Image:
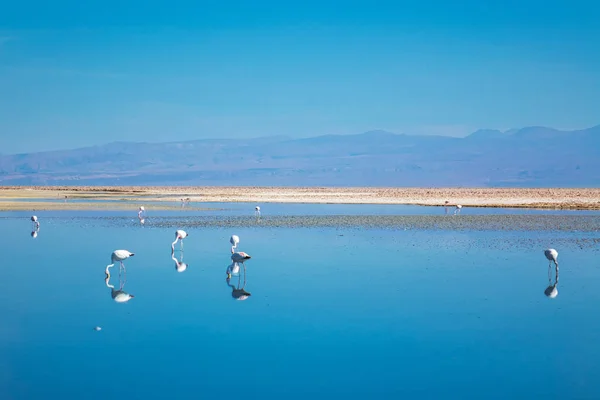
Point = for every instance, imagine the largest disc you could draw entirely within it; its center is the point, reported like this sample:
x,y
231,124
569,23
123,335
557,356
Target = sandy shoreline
x,y
53,197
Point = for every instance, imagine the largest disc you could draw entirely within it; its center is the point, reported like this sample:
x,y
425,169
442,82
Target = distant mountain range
x,y
528,157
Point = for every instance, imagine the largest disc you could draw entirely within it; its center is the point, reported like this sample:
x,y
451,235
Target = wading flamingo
x,y
118,255
179,235
551,255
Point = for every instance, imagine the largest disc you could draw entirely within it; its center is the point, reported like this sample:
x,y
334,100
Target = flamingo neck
x,y
109,266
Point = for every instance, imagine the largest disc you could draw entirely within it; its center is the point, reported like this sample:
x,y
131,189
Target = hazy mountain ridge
x,y
532,156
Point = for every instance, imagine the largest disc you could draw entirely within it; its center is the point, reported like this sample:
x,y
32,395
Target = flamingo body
x,y
551,255
120,255
551,292
120,296
240,256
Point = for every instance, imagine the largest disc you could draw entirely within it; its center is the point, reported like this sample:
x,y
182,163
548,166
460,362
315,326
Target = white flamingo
x,y
239,256
457,210
257,211
35,221
234,240
118,255
551,255
179,235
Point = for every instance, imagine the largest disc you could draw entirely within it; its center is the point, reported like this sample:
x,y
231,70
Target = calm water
x,y
359,313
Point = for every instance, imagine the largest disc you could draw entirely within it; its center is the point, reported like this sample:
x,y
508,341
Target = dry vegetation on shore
x,y
10,197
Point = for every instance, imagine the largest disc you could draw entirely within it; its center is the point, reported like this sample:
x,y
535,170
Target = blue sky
x,y
76,73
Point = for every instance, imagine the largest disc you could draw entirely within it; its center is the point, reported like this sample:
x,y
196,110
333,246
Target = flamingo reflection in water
x,y
180,266
119,296
237,292
141,217
34,233
552,289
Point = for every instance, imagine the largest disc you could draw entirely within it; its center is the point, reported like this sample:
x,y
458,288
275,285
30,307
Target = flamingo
x,y
35,221
180,266
118,255
118,295
458,208
551,255
257,211
234,240
179,235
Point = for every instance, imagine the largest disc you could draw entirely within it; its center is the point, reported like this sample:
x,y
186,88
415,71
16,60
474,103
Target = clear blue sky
x,y
76,73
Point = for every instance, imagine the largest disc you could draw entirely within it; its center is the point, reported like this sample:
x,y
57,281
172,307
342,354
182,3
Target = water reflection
x,y
141,217
233,269
119,296
552,289
35,232
237,292
180,266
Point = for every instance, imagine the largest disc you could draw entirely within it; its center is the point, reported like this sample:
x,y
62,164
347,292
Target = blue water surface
x,y
333,313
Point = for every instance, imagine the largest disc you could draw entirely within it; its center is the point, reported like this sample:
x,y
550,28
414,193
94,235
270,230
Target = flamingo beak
x,y
132,296
131,255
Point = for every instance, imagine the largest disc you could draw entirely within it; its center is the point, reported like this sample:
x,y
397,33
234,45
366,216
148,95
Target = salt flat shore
x,y
120,197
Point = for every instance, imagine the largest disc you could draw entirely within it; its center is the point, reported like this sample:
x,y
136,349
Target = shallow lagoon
x,y
334,311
